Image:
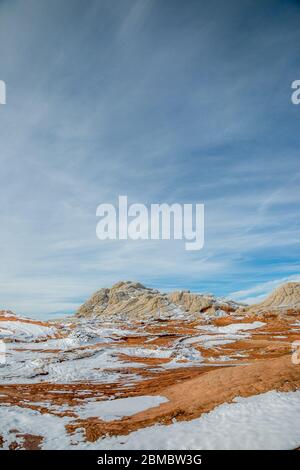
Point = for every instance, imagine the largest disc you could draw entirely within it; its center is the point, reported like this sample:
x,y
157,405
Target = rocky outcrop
x,y
134,301
190,302
130,299
283,300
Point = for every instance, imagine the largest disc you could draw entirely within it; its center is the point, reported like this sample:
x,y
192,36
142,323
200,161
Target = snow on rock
x,y
116,409
266,421
7,314
160,353
63,367
233,327
219,335
25,331
28,421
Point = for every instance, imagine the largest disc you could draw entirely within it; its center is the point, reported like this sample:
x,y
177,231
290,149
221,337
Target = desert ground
x,y
135,368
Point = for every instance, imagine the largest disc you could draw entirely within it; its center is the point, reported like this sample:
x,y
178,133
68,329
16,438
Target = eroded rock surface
x,y
136,301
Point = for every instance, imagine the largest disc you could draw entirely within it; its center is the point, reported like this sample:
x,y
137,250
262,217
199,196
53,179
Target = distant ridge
x,y
134,300
282,299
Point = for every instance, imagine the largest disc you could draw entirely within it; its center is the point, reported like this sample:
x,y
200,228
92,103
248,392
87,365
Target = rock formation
x,y
133,300
283,300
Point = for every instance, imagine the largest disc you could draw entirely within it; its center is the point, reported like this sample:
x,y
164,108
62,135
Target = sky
x,y
162,101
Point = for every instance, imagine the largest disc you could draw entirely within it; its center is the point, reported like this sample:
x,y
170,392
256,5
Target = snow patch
x,y
111,410
266,421
22,331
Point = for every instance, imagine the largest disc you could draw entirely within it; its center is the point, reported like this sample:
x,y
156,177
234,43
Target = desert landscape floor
x,y
226,382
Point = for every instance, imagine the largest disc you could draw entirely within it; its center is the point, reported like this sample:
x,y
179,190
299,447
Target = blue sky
x,y
163,101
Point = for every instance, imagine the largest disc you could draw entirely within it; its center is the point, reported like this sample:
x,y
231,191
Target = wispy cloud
x,y
258,292
162,101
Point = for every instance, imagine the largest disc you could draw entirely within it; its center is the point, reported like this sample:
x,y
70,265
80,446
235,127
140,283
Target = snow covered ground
x,y
67,359
90,351
111,410
24,331
266,421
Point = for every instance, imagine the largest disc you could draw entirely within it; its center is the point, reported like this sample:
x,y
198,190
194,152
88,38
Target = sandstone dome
x,y
283,299
135,301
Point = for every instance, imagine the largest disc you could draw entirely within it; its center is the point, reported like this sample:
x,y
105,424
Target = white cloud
x,y
129,99
259,291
